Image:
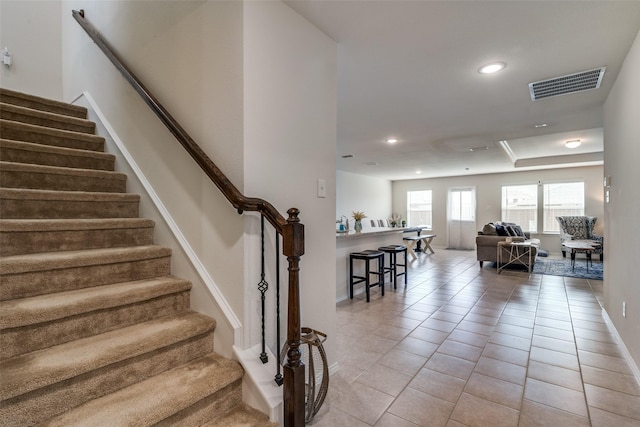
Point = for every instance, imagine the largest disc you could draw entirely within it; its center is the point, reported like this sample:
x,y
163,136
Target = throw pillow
x,y
510,231
500,230
518,230
489,229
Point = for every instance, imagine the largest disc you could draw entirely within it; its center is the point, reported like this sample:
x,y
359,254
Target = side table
x,y
516,253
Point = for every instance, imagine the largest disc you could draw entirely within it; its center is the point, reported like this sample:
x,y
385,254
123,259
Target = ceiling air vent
x,y
571,83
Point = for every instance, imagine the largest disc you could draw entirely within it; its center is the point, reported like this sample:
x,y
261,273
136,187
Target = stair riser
x,y
19,243
16,341
42,104
52,159
57,398
206,409
50,209
48,281
21,132
54,123
60,182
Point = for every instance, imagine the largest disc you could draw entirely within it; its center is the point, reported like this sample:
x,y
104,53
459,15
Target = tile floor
x,y
464,346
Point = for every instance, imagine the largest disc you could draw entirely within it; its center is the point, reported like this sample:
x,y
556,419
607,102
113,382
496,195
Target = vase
x,y
358,226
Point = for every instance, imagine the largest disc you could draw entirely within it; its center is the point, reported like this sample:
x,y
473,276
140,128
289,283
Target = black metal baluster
x,y
278,378
263,286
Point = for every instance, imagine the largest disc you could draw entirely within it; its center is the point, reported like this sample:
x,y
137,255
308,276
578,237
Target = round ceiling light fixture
x,y
574,143
392,140
494,67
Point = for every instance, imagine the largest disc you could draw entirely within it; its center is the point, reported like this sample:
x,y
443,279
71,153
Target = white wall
x,y
362,193
31,31
621,160
488,196
290,143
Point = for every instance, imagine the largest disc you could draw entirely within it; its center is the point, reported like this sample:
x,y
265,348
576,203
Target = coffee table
x,y
586,246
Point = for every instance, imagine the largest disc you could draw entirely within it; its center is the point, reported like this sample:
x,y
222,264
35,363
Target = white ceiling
x,y
408,69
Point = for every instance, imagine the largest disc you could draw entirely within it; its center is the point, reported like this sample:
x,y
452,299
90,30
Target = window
x,y
419,207
462,204
520,206
562,198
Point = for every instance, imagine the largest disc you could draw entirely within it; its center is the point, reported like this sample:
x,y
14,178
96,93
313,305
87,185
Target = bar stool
x,y
367,256
393,251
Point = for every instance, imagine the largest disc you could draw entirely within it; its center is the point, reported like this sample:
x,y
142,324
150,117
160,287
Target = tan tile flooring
x,y
464,346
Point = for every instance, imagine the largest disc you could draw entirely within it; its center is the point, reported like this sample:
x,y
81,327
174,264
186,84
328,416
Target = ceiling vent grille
x,y
571,83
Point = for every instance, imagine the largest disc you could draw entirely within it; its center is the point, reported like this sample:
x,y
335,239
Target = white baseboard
x,y
625,351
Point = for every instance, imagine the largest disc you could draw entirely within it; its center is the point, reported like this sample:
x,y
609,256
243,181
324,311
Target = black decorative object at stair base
x,y
317,379
263,286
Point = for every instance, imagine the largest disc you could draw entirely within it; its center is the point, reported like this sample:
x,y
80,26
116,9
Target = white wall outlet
x,y
322,187
624,309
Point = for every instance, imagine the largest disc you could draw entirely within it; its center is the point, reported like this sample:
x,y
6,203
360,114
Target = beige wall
x,y
621,162
362,193
290,143
31,31
488,196
189,54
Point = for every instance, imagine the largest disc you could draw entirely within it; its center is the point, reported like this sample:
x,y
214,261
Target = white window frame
x,y
572,207
532,224
427,217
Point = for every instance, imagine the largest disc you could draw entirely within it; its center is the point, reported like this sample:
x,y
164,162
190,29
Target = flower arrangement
x,y
395,219
358,216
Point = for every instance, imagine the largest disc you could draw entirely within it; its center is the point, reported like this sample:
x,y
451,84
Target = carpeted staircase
x,y
94,329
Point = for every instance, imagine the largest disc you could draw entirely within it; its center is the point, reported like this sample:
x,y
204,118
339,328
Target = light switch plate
x,y
322,188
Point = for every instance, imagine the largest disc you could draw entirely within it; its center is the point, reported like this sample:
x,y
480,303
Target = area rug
x,y
562,267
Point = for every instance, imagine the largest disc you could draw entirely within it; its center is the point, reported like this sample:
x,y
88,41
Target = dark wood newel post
x,y
293,248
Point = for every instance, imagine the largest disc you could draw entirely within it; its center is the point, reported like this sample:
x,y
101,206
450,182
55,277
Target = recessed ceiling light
x,y
483,148
492,68
541,125
418,172
347,156
392,140
573,143
371,164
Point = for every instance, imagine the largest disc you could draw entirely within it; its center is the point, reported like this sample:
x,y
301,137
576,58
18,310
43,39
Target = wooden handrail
x,y
291,230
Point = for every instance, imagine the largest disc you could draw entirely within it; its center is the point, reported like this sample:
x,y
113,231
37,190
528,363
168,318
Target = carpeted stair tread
x,y
241,416
17,225
94,329
41,204
65,196
28,236
59,260
49,307
44,104
53,137
42,118
38,177
151,401
31,153
41,368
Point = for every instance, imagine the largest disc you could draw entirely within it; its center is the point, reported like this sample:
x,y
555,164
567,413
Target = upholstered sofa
x,y
487,242
579,228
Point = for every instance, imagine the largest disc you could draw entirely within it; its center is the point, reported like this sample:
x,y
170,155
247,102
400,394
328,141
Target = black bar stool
x,y
367,256
393,251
